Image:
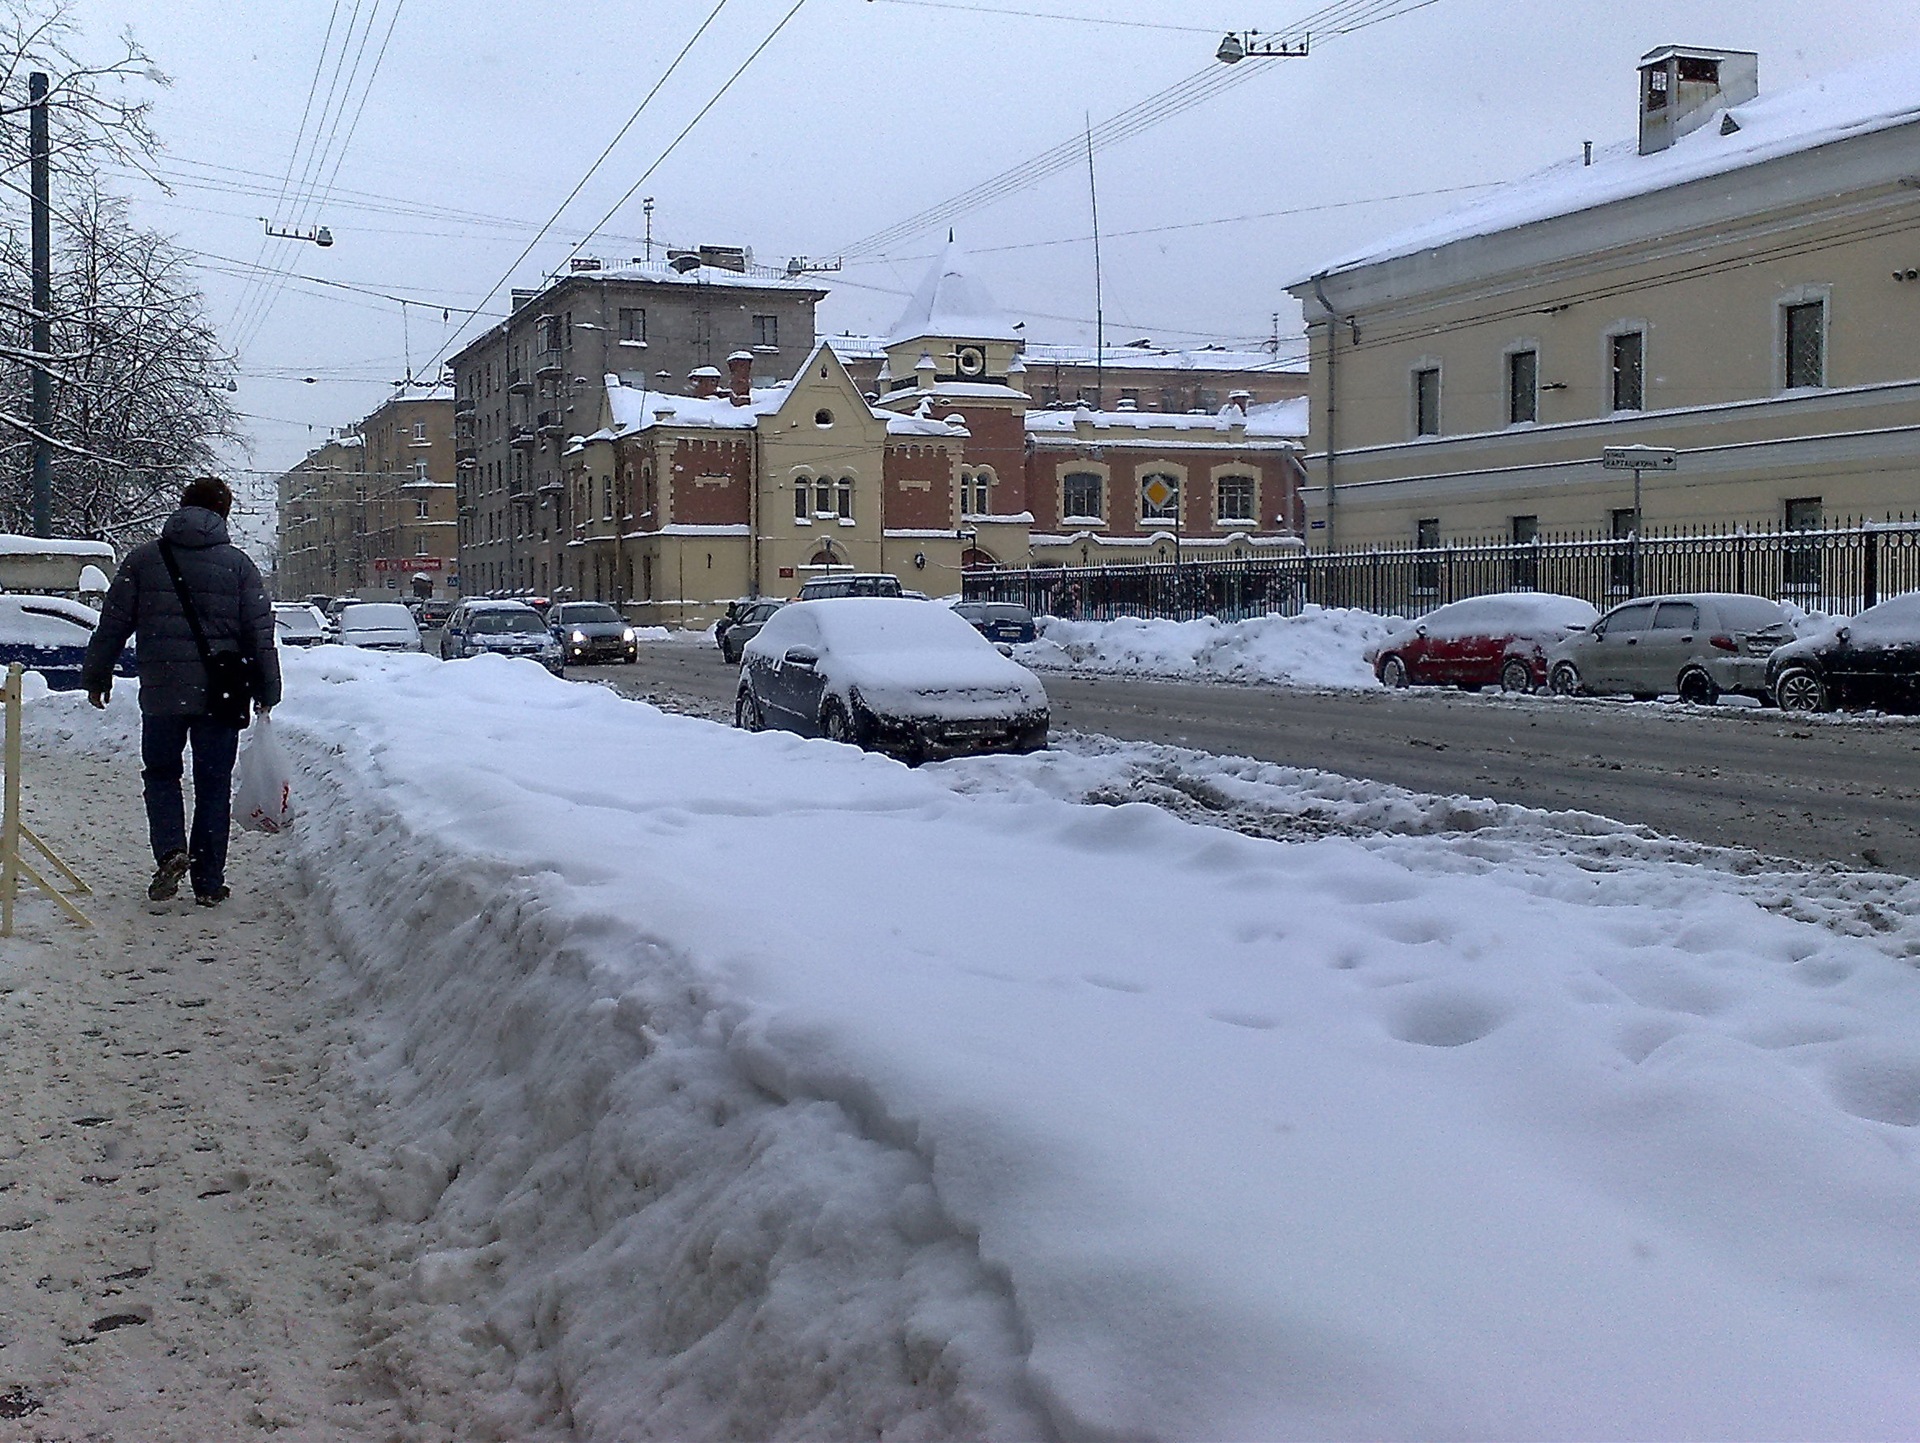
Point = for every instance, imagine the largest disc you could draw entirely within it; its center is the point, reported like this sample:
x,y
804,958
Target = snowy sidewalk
x,y
184,1252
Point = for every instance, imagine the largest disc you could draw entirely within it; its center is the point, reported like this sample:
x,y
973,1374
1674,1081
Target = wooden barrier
x,y
13,830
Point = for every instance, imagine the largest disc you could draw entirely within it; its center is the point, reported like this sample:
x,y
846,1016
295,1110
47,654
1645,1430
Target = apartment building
x,y
1740,283
535,380
322,535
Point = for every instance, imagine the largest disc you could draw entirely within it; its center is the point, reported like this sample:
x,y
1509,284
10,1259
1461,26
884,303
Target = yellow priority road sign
x,y
1158,492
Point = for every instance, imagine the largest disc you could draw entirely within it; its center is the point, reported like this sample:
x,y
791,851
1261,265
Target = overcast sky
x,y
858,115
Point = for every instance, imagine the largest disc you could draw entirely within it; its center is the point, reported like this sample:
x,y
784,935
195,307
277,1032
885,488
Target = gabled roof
x,y
952,302
1877,95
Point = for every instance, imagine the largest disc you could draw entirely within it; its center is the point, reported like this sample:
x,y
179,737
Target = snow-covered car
x,y
49,634
1500,640
1696,646
742,624
503,628
1872,660
889,675
591,631
297,624
379,626
1006,621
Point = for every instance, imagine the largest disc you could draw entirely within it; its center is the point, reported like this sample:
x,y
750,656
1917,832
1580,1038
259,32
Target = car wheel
x,y
1564,679
1516,676
746,712
1801,690
837,726
1698,689
1393,672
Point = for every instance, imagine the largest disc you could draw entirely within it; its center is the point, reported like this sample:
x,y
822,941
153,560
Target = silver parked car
x,y
500,628
1696,646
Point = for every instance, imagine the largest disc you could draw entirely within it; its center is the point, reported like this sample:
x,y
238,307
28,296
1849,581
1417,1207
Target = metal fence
x,y
1841,568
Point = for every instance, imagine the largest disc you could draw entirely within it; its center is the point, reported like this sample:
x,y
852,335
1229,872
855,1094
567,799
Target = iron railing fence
x,y
1840,568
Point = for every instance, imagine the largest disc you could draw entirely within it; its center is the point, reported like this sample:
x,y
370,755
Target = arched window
x,y
976,496
802,498
823,497
973,557
845,498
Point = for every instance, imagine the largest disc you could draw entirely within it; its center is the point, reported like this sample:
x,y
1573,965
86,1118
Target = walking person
x,y
203,630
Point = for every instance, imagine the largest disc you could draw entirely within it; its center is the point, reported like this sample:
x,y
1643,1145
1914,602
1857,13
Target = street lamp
x,y
1249,45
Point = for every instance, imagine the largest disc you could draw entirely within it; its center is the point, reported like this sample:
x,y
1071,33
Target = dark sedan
x,y
1004,621
590,632
742,624
1871,661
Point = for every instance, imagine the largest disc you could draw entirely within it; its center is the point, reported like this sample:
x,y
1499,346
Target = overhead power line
x,y
1056,15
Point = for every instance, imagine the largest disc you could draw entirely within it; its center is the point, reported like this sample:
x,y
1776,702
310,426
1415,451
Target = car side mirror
x,y
1420,629
1003,649
1845,634
803,657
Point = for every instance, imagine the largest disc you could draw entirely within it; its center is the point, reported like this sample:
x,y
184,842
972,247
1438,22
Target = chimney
x,y
740,378
704,383
1682,88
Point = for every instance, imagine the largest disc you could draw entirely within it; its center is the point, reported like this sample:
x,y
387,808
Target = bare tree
x,y
140,378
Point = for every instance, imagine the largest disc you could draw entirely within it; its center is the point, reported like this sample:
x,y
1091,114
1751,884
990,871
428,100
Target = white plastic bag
x,y
263,795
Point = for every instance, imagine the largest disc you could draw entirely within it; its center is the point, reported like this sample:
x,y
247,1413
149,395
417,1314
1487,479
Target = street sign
x,y
1158,493
1639,458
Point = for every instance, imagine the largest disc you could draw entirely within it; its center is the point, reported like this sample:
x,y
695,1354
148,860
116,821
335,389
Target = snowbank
x,y
762,1088
1320,647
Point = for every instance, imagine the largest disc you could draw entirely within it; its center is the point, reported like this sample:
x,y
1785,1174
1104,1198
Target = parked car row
x,y
1699,647
49,634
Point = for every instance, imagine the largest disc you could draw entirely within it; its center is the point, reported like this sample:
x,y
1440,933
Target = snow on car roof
x,y
1898,615
1508,610
887,623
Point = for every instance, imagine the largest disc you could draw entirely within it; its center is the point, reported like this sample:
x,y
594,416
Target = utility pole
x,y
41,152
646,204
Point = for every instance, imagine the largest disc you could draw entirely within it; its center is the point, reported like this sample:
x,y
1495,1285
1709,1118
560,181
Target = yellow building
x,y
1742,285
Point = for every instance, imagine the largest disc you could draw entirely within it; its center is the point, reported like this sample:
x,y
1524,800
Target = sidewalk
x,y
183,1252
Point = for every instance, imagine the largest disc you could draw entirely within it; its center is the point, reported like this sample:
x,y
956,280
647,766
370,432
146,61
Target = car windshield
x,y
376,615
589,611
296,618
500,622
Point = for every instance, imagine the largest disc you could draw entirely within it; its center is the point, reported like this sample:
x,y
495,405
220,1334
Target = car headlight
x,y
579,638
627,635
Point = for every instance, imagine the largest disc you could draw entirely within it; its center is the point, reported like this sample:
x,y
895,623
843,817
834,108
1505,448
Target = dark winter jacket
x,y
227,596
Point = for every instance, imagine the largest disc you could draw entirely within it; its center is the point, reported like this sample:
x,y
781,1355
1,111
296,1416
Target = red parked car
x,y
1499,640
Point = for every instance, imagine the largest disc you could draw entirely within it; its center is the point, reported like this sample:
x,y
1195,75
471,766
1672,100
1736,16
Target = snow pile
x,y
1322,646
768,1088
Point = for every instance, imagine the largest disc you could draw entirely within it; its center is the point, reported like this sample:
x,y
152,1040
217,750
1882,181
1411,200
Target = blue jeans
x,y
163,743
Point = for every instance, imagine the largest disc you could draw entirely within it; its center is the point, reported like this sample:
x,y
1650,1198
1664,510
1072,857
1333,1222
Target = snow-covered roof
x,y
659,272
1157,358
1873,96
1279,421
53,546
952,301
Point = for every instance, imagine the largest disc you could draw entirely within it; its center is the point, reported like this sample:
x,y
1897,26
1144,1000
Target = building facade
x,y
371,513
679,503
531,383
1741,285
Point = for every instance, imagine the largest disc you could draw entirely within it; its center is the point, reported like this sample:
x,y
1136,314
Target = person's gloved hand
x,y
99,698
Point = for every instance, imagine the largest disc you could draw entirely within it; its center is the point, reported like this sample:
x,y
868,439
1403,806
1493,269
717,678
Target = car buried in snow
x,y
379,626
295,623
1500,640
1695,646
1872,660
889,675
49,634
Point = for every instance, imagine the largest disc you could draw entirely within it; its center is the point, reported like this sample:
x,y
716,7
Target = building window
x,y
823,497
1800,560
606,498
1805,344
420,548
1130,397
975,494
802,492
421,509
1523,387
1209,400
1081,498
844,498
766,331
1524,531
633,323
1090,396
1426,569
1049,396
1426,401
1171,399
419,430
1236,498
1159,497
1629,371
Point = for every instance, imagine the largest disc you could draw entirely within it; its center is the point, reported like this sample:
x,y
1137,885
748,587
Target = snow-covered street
x,y
698,1084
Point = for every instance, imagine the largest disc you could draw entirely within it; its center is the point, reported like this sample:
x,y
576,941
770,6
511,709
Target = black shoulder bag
x,y
229,673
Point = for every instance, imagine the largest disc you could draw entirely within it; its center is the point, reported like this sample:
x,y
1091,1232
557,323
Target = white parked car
x,y
890,675
379,626
297,624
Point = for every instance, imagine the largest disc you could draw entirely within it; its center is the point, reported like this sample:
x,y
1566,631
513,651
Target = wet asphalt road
x,y
1813,790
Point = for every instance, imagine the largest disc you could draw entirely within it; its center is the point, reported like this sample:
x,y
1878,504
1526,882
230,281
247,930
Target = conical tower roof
x,y
952,303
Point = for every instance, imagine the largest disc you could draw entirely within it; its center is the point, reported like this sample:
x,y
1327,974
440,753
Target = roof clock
x,y
970,362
